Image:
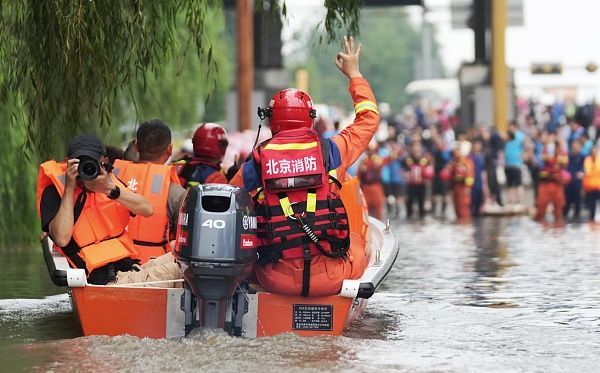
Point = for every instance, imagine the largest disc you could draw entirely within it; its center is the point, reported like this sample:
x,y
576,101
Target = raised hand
x,y
347,61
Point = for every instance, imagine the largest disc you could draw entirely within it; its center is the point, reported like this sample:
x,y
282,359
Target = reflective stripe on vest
x,y
151,181
100,229
366,105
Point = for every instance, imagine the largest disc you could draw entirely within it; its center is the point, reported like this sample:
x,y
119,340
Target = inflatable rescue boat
x,y
216,261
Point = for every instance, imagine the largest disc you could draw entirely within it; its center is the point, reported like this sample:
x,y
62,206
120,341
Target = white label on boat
x,y
312,317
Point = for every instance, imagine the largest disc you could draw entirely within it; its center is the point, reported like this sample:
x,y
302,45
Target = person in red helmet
x,y
210,143
294,178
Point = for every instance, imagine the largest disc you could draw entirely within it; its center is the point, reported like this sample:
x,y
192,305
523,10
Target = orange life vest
x,y
295,181
150,235
100,228
591,173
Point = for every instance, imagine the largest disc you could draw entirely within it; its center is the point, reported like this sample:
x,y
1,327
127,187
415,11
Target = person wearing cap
x,y
209,144
86,214
295,156
158,182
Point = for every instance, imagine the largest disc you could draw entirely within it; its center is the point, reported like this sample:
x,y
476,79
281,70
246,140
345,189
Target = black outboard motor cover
x,y
216,239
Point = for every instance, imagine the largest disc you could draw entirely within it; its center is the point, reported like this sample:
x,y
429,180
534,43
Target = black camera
x,y
88,168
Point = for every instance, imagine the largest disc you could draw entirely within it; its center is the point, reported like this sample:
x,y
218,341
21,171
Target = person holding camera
x,y
85,210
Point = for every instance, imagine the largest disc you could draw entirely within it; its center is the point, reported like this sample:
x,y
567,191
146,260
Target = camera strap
x,y
79,203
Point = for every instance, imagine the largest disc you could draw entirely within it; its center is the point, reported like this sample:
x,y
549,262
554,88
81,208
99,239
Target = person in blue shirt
x,y
513,162
397,182
573,189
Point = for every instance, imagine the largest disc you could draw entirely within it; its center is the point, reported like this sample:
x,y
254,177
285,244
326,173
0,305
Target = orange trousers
x,y
375,197
462,201
550,192
326,274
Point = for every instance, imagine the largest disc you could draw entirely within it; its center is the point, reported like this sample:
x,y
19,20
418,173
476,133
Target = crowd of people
x,y
424,162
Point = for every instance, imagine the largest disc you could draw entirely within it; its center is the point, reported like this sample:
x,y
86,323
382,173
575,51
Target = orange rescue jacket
x,y
100,229
591,173
150,235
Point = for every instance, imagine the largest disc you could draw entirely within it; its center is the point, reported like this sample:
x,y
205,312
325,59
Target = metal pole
x,y
245,68
499,70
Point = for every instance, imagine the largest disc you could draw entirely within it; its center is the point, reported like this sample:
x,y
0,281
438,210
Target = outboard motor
x,y
216,248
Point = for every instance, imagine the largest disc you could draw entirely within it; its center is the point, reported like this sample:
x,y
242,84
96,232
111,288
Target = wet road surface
x,y
496,295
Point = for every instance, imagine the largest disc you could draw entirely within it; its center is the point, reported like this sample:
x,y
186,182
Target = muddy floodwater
x,y
496,295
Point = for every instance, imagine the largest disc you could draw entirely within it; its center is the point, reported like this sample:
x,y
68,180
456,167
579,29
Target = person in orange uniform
x,y
552,177
210,143
158,182
462,174
292,263
85,211
369,173
591,180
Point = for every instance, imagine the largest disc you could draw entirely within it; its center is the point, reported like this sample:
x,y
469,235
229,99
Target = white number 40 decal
x,y
214,223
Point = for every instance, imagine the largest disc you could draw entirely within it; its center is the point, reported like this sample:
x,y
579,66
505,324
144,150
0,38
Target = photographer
x,y
85,209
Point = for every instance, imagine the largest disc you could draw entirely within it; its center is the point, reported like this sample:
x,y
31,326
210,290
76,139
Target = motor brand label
x,y
182,238
248,241
312,317
249,222
183,219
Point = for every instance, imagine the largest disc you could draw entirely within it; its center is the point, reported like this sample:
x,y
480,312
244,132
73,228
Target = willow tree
x,y
67,60
64,64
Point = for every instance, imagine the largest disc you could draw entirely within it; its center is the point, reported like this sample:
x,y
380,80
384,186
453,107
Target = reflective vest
x,y
299,214
150,235
417,170
591,173
463,171
100,228
552,166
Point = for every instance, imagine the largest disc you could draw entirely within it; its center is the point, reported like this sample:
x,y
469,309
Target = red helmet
x,y
210,141
290,109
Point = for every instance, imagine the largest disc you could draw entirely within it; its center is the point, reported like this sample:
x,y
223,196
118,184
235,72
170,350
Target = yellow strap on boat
x,y
366,105
291,146
286,207
311,202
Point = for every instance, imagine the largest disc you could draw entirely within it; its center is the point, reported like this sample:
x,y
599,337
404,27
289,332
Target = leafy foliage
x,y
391,53
68,60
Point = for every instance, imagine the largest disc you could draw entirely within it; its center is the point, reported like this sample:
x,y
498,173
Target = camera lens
x,y
88,168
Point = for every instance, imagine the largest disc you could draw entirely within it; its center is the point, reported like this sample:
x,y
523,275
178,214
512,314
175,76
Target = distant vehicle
x,y
434,90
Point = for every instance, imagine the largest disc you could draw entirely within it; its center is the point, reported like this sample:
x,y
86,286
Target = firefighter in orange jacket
x,y
157,182
369,173
85,210
210,143
297,173
553,176
462,175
